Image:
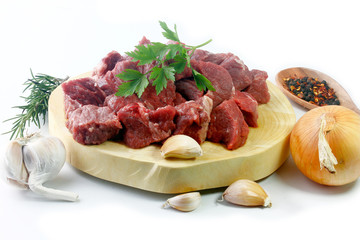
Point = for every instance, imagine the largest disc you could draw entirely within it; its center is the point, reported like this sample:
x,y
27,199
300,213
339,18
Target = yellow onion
x,y
325,145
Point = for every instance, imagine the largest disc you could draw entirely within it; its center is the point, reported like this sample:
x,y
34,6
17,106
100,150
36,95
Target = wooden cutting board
x,y
267,147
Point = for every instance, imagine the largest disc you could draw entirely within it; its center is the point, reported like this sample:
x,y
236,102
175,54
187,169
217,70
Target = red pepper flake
x,y
312,90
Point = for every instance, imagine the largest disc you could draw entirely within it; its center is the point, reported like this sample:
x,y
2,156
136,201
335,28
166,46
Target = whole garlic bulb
x,y
34,160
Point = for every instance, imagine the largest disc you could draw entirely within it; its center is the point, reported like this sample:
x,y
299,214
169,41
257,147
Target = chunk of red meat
x,y
85,91
258,88
192,118
227,125
70,105
144,41
238,71
220,79
248,106
144,126
187,73
154,101
80,92
206,56
115,103
188,89
106,64
110,82
179,99
91,124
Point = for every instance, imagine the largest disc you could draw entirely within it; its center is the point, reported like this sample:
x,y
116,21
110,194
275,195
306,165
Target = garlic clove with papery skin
x,y
184,202
42,158
181,146
16,171
245,192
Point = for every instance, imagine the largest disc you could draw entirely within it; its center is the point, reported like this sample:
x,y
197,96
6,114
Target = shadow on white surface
x,y
292,176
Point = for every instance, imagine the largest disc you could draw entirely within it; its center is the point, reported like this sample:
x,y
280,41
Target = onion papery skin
x,y
343,139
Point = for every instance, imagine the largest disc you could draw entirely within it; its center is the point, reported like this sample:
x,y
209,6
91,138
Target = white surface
x,y
68,38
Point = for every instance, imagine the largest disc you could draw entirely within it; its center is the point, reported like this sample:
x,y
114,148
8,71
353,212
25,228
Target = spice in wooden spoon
x,y
312,90
300,73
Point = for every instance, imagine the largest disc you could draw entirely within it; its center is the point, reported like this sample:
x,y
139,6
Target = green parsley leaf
x,y
174,49
161,76
149,53
169,72
171,35
201,81
135,82
179,64
129,74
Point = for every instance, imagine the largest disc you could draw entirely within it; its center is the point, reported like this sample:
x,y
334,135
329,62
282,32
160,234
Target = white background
x,y
69,37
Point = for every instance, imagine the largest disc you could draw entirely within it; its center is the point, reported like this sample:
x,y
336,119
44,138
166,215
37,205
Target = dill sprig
x,y
40,87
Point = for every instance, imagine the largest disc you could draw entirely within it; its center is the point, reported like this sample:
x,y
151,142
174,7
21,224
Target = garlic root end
x,y
267,202
54,193
221,199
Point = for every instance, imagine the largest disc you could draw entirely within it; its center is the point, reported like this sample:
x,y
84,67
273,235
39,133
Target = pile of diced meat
x,y
94,114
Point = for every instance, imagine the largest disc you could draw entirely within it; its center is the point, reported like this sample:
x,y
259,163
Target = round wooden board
x,y
266,148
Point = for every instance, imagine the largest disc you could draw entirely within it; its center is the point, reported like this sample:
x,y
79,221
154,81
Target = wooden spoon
x,y
300,72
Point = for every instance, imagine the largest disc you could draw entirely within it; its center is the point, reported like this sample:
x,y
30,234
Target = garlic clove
x,y
245,192
14,165
184,202
44,156
181,146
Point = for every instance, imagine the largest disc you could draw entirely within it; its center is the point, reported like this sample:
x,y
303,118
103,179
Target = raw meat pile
x,y
94,114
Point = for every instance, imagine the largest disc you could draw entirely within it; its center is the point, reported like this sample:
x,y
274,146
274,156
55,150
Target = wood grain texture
x,y
300,72
267,147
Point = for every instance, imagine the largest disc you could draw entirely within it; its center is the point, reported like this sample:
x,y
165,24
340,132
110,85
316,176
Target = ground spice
x,y
312,90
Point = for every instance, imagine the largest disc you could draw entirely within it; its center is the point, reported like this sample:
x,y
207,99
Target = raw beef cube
x,y
85,91
144,41
106,64
227,125
248,106
115,103
179,99
238,71
188,89
70,105
258,88
206,56
80,92
110,82
93,125
153,101
220,79
187,73
144,126
192,118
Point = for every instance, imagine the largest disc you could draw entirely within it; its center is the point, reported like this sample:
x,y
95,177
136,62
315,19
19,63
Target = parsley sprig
x,y
160,54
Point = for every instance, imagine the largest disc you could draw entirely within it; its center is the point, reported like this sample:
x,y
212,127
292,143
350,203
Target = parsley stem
x,y
199,46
